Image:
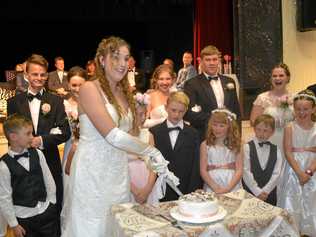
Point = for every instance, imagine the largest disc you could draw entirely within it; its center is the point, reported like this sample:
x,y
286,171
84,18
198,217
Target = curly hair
x,y
161,68
232,140
110,46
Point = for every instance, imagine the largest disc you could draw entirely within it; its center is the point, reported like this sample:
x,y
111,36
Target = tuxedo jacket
x,y
56,117
184,158
54,81
201,94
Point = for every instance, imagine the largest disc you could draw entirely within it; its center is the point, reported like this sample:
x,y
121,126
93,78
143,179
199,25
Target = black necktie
x,y
215,78
264,143
30,96
174,128
25,154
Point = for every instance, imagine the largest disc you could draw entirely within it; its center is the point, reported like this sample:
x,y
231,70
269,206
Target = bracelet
x,y
309,172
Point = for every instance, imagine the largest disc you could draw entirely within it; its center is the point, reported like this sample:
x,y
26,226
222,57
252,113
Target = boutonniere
x,y
65,74
196,108
230,86
45,109
136,73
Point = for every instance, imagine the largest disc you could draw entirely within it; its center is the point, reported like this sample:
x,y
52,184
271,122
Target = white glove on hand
x,y
127,142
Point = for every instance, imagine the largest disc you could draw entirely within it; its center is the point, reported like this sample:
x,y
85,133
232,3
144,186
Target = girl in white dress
x,y
99,171
299,191
161,82
142,178
221,162
76,77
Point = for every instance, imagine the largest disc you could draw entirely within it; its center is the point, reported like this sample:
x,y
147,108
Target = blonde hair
x,y
232,140
14,123
266,119
180,97
161,68
210,50
309,96
110,46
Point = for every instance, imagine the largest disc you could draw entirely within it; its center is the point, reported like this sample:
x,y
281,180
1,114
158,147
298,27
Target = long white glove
x,y
129,143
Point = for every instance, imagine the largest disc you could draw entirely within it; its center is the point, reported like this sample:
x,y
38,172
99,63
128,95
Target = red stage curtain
x,y
213,24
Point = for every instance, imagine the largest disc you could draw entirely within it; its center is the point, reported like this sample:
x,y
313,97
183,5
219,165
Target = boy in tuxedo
x,y
27,188
263,161
47,112
179,144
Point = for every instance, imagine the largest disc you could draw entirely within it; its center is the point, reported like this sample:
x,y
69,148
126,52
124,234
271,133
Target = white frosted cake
x,y
198,205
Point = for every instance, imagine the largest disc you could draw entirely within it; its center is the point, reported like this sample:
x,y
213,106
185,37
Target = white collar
x,y
179,124
12,153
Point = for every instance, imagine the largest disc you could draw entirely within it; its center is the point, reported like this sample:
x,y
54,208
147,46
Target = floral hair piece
x,y
142,99
297,96
231,115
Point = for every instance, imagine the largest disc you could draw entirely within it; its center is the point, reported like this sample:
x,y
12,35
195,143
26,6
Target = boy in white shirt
x,y
27,188
262,161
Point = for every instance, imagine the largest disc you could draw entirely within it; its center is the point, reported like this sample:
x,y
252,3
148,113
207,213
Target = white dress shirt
x,y
263,157
174,133
60,75
131,77
218,90
35,105
10,211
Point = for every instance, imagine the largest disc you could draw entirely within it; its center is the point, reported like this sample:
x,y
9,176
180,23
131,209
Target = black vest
x,y
261,176
28,187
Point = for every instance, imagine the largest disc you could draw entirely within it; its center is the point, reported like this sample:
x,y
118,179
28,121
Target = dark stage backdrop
x,y
72,29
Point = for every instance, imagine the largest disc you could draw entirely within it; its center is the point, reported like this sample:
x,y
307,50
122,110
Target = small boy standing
x,y
27,188
262,161
179,144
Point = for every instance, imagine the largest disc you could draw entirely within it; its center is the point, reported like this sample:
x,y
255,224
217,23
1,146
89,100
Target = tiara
x,y
230,114
142,99
305,95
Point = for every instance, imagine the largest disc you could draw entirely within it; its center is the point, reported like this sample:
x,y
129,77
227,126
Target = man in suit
x,y
48,115
187,72
135,76
179,144
209,90
57,80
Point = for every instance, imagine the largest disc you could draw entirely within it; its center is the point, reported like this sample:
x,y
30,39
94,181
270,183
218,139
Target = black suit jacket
x,y
54,81
201,93
184,158
55,118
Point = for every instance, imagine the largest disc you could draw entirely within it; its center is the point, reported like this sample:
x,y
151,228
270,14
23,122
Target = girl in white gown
x,y
76,77
299,190
221,162
162,82
99,172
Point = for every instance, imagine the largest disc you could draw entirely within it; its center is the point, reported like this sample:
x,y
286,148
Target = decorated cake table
x,y
238,214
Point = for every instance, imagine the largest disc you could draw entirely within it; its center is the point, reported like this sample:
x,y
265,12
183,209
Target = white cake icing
x,y
197,205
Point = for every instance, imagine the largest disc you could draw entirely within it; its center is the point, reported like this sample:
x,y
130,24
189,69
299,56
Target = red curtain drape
x,y
213,24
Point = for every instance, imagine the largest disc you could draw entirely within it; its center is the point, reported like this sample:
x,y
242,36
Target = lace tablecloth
x,y
246,216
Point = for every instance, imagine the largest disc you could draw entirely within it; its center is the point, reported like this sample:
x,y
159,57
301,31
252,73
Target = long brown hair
x,y
161,68
232,140
110,46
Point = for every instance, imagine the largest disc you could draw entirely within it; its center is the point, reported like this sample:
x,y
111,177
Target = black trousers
x,y
42,225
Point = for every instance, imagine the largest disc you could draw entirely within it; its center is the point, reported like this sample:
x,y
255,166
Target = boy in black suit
x,y
179,144
47,112
27,188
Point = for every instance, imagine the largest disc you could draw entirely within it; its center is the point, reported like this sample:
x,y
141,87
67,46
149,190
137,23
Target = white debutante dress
x,y
156,116
98,179
299,200
72,112
220,155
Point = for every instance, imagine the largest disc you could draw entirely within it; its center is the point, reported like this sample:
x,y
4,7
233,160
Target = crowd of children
x,y
221,162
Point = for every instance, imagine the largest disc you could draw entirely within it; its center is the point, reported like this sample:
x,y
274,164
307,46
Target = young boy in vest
x,y
179,144
27,188
262,162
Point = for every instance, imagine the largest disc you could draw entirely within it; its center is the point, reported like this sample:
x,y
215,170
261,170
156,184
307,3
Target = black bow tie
x,y
174,128
264,143
215,78
25,154
30,96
